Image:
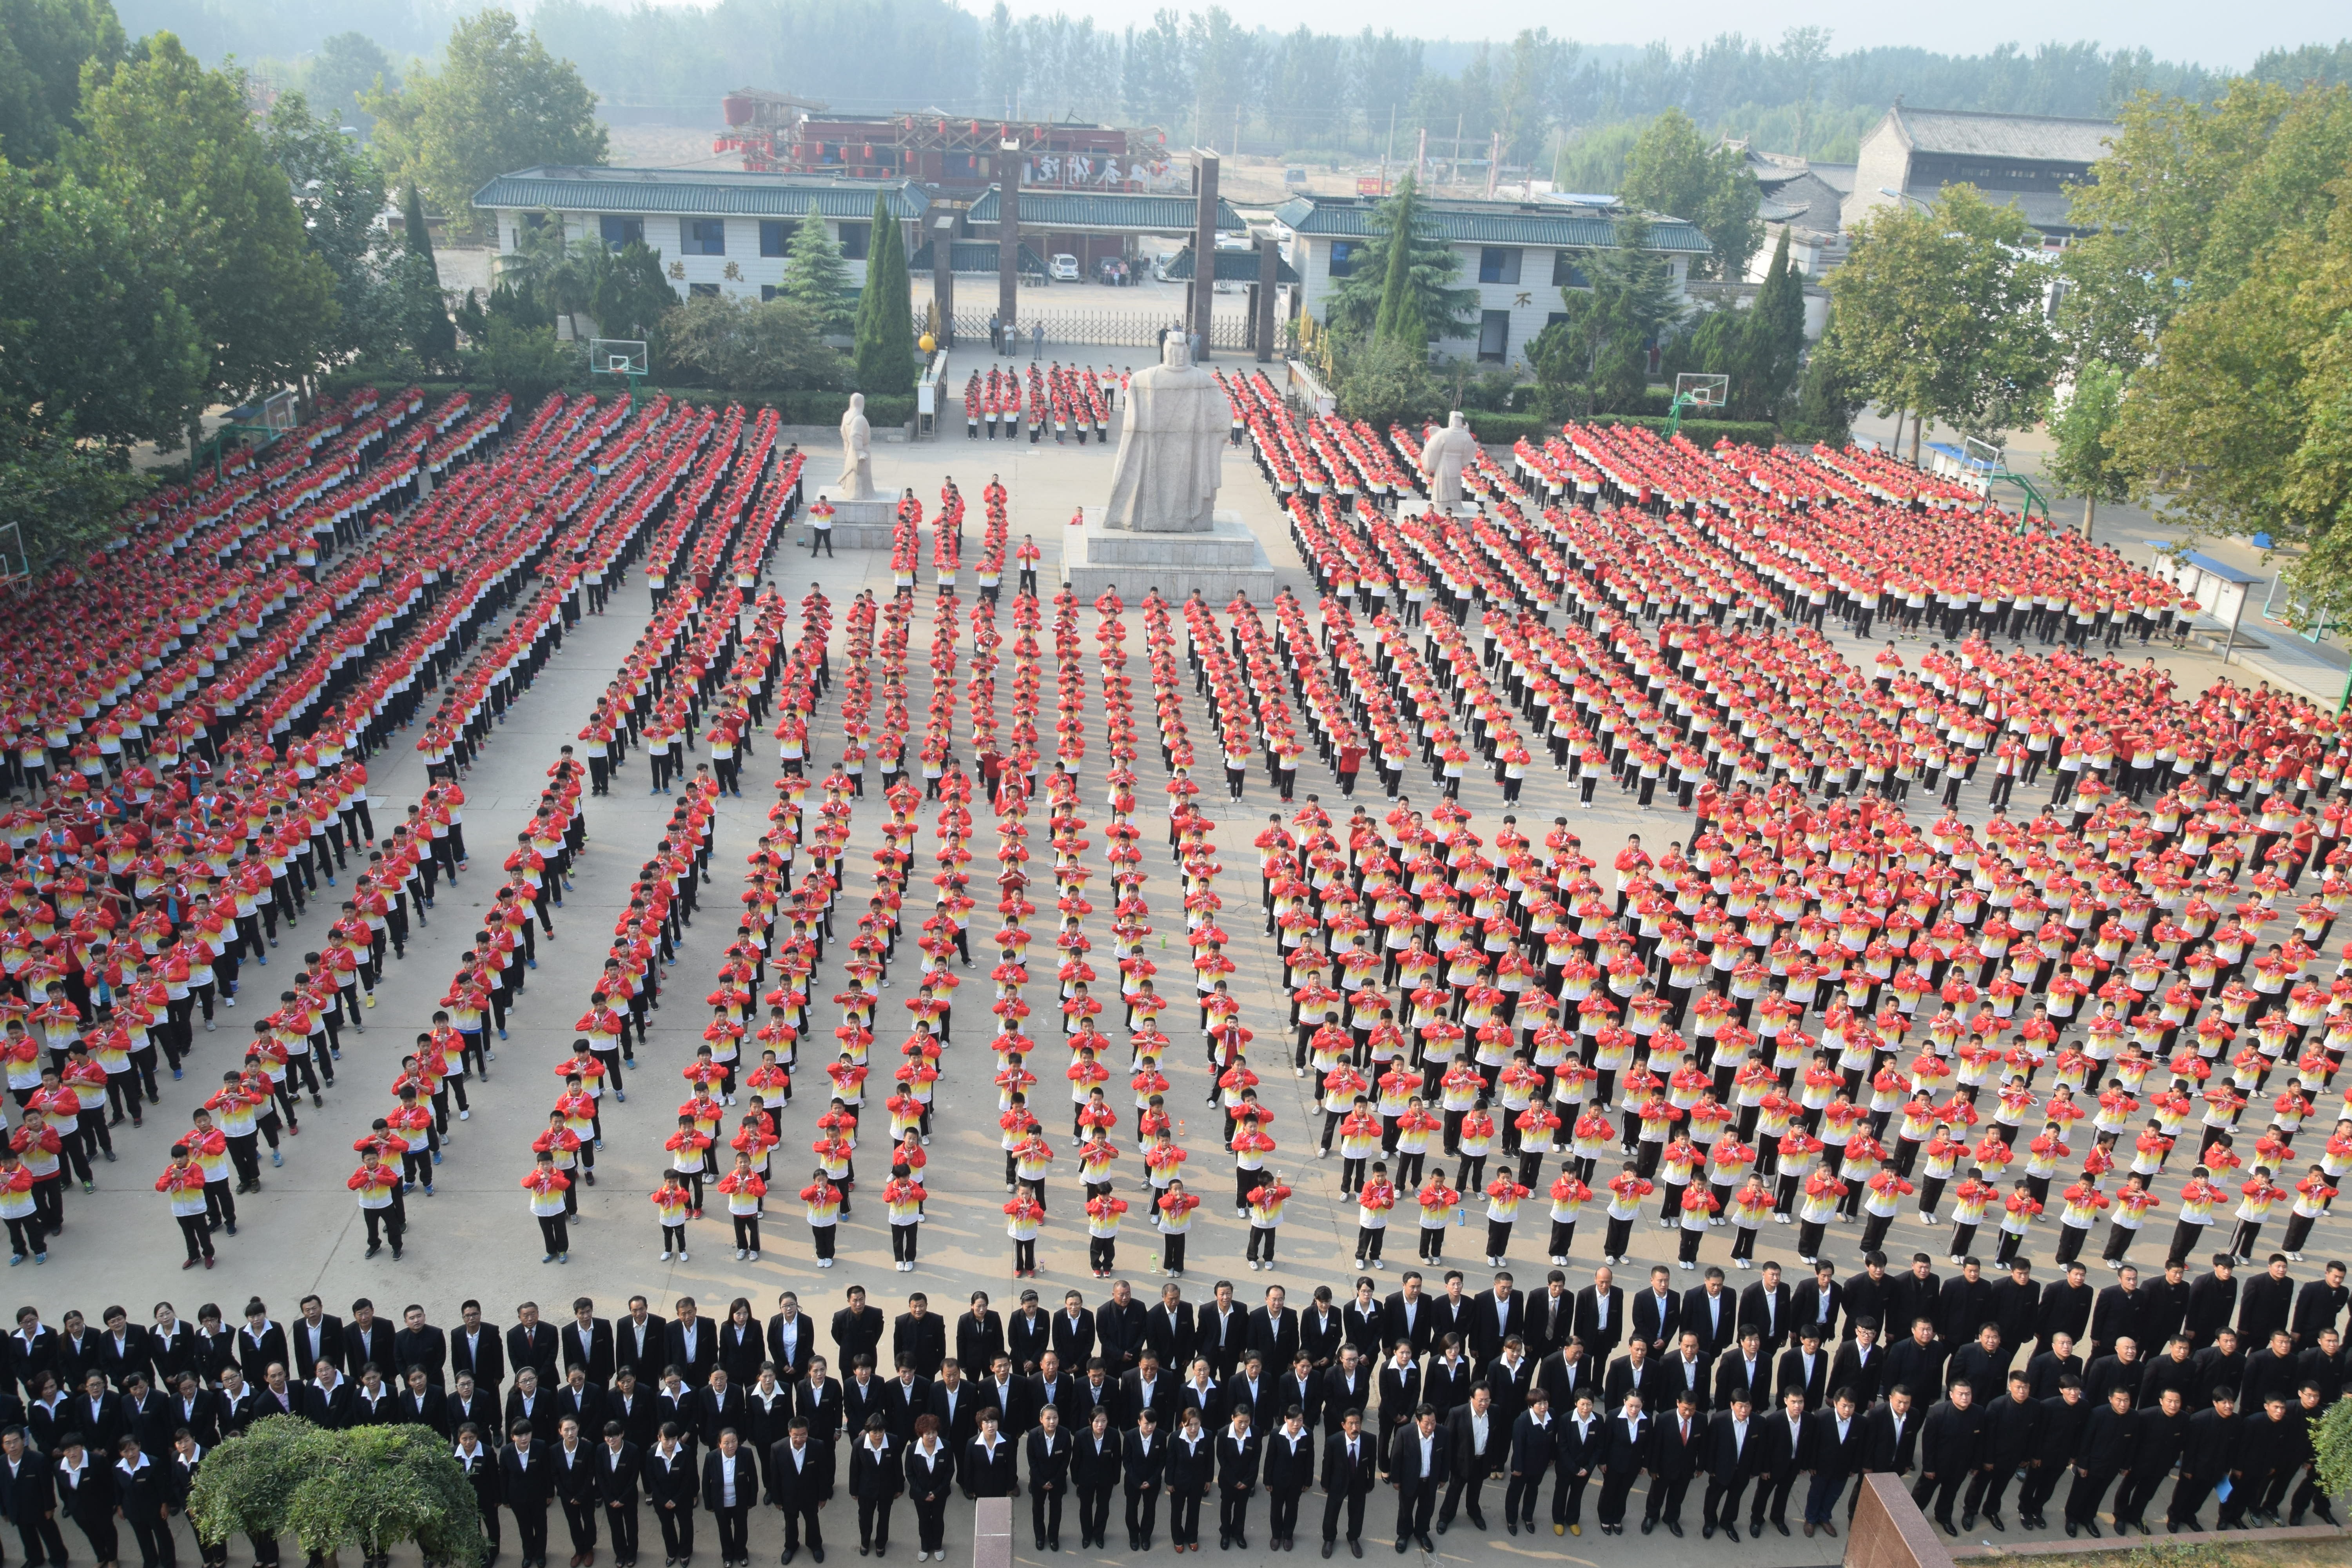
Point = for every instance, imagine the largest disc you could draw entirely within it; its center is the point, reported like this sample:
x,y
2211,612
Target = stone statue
x,y
1444,459
857,482
1165,479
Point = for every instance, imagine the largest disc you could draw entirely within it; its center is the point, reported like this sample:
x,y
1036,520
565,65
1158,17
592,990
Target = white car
x,y
1066,269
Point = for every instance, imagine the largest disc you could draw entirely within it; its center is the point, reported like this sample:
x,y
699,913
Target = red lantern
x,y
869,150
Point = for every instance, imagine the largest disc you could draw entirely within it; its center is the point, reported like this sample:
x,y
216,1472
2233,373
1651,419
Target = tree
x,y
500,102
634,294
1382,382
94,336
1826,403
1427,296
739,344
371,1488
2082,460
1672,170
886,313
176,145
437,339
1772,342
1940,313
1597,358
347,68
67,494
816,278
44,44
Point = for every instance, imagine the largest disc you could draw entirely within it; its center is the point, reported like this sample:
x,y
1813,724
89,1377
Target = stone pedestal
x,y
857,524
1221,563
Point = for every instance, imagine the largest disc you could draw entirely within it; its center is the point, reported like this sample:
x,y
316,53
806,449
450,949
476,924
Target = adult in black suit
x,y
861,1399
327,1399
2016,1303
419,1343
1819,1300
1963,1304
640,1344
1121,1331
1745,1365
1685,1369
1918,1361
1471,1458
122,1349
199,1410
2066,1305
2266,1303
673,1487
930,1463
574,1457
1890,1438
1565,1372
1951,1453
718,1406
172,1346
1733,1453
526,1482
1093,1474
1363,1322
1601,1317
1580,1446
2115,1315
921,1335
85,1486
1860,1364
1915,1292
877,1473
799,1482
1220,1333
1785,1452
1349,1385
1551,1315
1142,1470
531,1343
857,1329
2319,1307
1627,1450
586,1342
1405,1315
619,1465
1712,1312
260,1344
1398,1381
816,1399
1418,1457
1321,1329
1240,1450
1867,1296
418,1404
1767,1304
315,1335
2110,1436
979,1335
1658,1313
28,1499
742,1345
905,1397
2011,1429
1072,1334
1350,1468
475,1350
1150,1386
2212,1301
1028,1335
954,1399
730,1485
1273,1332
1804,1368
1680,1454
1635,1373
791,1338
1288,1468
1983,1365
1840,1443
1168,1331
580,1400
690,1344
1496,1315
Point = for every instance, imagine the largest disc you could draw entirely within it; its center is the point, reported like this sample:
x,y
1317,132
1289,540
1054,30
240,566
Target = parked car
x,y
1064,269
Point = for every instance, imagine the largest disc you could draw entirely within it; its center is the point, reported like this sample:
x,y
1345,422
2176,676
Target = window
x,y
702,236
856,240
1554,318
775,234
702,290
1498,264
621,231
1566,273
767,292
1344,256
1494,334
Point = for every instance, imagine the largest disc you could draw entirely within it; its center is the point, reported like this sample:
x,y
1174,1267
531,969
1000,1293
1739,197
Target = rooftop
x,y
709,192
2039,138
1118,212
1543,222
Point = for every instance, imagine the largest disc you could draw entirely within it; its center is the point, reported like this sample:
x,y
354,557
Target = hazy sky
x,y
2209,34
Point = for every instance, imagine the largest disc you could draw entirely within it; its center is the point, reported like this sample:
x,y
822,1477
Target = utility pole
x,y
1454,169
1494,164
1420,157
1237,129
1387,148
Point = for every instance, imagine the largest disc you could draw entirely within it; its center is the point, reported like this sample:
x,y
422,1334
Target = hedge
x,y
797,407
1501,429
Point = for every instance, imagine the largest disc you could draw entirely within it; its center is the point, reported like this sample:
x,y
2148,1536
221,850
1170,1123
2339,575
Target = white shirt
x,y
1477,1431
1428,1444
727,1480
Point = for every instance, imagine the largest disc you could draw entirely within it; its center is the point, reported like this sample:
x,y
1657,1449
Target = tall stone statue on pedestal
x,y
1165,479
1442,460
857,482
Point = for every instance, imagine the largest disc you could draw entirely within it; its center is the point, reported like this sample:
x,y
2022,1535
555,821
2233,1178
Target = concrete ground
x,y
476,1238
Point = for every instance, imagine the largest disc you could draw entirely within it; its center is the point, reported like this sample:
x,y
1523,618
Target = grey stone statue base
x,y
857,524
1221,563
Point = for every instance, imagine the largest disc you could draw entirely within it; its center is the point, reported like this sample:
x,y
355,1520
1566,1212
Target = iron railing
x,y
1101,329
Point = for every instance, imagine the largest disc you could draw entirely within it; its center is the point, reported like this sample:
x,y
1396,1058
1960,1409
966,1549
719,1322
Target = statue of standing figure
x,y
1172,449
857,482
1442,460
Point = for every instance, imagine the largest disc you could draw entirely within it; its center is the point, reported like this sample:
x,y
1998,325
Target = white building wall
x,y
664,233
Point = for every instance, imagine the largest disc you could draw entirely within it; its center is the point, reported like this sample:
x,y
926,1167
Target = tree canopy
x,y
1402,288
500,102
369,1487
886,313
1597,357
1675,169
816,278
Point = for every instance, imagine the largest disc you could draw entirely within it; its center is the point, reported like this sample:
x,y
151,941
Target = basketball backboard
x,y
616,357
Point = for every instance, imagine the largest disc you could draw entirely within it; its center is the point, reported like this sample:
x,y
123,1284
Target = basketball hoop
x,y
1702,390
622,357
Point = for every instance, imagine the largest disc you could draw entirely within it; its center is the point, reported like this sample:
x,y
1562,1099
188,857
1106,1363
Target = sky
x,y
2220,35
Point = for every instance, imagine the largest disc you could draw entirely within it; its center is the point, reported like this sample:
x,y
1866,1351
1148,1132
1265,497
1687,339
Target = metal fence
x,y
1102,329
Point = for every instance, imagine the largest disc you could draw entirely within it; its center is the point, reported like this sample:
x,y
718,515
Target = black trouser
x,y
1282,1512
932,1522
1985,1492
42,1540
2040,1480
1568,1497
874,1521
2083,1500
1353,1501
193,1232
1720,1505
579,1518
678,1528
1046,1512
1416,1499
1142,1512
621,1522
735,1530
1232,1511
1943,1489
530,1529
1472,1481
1519,1496
1665,1500
801,1520
154,1533
1094,1512
1614,1490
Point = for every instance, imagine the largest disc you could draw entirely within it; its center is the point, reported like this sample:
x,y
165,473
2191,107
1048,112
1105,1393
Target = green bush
x,y
796,407
1502,429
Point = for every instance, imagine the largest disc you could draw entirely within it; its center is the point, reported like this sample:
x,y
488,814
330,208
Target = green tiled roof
x,y
1484,223
697,193
1119,210
1233,267
976,255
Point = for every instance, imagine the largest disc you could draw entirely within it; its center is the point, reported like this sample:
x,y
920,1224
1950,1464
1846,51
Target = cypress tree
x,y
437,339
1400,320
1775,339
814,276
886,314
